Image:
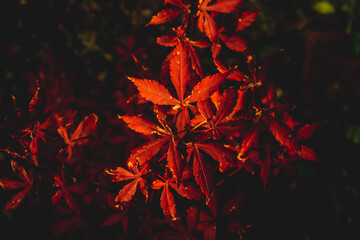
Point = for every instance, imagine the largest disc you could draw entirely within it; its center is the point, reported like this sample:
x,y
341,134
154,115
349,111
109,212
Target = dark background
x,y
319,70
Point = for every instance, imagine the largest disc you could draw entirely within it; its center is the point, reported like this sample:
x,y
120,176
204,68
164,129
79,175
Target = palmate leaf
x,y
25,184
81,135
206,23
129,190
166,200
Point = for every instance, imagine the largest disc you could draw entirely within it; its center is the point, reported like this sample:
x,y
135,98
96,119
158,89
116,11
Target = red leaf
x,y
154,92
120,174
250,139
128,191
234,42
234,75
203,175
85,129
209,26
219,153
145,152
167,40
246,19
282,134
11,184
306,131
178,3
307,153
265,168
165,16
186,190
167,202
180,69
142,125
224,6
16,200
37,102
195,62
226,105
206,87
206,109
174,159
240,101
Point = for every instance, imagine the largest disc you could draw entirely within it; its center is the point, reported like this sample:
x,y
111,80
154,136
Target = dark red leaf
x,y
306,131
282,134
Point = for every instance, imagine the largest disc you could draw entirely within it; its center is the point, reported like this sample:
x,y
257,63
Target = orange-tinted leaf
x,y
127,192
206,109
142,125
246,19
145,152
120,174
206,87
167,40
209,26
202,174
174,159
224,6
167,202
234,75
165,16
186,190
180,69
154,92
240,101
195,62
